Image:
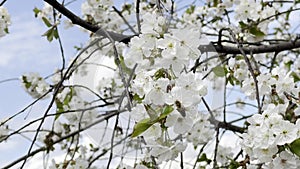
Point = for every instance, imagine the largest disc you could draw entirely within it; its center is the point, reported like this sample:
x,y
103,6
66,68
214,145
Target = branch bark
x,y
279,47
93,28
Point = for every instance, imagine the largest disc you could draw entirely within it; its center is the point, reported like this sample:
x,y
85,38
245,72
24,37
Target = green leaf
x,y
60,105
295,147
6,30
230,79
219,71
27,84
55,33
123,65
141,126
289,64
216,2
191,9
243,25
234,164
137,98
287,16
255,31
36,11
69,97
46,21
59,108
161,73
216,18
51,33
166,111
78,48
202,158
295,76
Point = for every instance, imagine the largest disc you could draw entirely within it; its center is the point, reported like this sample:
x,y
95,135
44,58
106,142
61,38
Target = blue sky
x,y
25,50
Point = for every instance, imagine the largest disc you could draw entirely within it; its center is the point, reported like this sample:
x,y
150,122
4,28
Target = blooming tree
x,y
152,108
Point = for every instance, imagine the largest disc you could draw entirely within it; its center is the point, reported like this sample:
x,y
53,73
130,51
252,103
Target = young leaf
x,y
141,126
234,164
27,84
6,30
36,11
219,71
243,25
46,21
216,2
257,32
191,9
55,33
295,76
202,158
137,98
295,147
51,33
60,105
166,111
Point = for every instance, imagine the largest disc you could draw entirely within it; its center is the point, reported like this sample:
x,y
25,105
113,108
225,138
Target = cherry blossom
x,y
4,21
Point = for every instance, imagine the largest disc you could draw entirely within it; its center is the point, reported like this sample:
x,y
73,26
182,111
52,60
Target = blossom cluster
x,y
4,21
46,12
3,131
35,85
76,163
267,132
167,96
100,12
68,101
156,48
273,84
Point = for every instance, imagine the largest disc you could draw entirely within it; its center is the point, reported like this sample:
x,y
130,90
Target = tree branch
x,y
93,28
278,47
32,153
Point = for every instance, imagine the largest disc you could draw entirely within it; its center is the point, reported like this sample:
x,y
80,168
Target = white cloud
x,y
21,41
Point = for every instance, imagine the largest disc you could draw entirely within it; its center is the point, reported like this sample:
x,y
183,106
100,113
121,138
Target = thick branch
x,y
93,28
231,127
279,47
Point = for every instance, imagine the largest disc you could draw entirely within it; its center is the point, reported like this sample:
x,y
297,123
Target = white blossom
x,y
35,85
4,21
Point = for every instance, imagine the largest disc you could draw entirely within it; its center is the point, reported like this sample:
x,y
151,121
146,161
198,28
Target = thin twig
x,y
224,97
90,90
60,46
198,156
8,80
125,21
24,109
137,15
32,153
253,74
220,124
93,28
216,148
